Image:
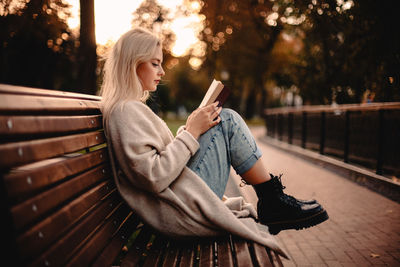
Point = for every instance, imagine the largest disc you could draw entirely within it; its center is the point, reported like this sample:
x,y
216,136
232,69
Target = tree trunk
x,y
87,58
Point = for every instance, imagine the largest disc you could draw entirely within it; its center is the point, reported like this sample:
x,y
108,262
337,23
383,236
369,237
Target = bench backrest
x,y
58,198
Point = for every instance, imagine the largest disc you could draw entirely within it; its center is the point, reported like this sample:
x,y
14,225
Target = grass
x,y
174,124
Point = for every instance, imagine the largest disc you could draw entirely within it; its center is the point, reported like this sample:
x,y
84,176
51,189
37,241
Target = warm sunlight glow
x,y
186,29
195,63
114,19
73,21
170,4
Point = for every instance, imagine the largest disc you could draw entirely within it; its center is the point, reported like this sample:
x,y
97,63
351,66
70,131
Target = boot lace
x,y
290,200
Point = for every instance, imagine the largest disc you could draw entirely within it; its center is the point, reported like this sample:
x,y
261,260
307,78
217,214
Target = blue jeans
x,y
229,143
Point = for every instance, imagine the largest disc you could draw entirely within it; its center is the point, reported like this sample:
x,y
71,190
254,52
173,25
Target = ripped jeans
x,y
229,143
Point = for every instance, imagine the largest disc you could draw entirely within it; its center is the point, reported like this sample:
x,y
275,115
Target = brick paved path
x,y
363,229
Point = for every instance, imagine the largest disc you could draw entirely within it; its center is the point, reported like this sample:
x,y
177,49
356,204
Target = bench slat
x,y
172,257
206,254
22,90
58,253
47,231
242,252
261,256
25,104
35,125
19,153
225,257
33,208
109,254
86,254
275,259
30,178
139,246
155,255
187,252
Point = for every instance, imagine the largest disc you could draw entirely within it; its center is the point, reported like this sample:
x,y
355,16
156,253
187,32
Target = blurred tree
x,y
87,57
153,16
182,88
187,85
348,51
37,48
373,42
241,36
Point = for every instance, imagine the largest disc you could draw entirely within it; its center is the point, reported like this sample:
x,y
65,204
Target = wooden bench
x,y
59,203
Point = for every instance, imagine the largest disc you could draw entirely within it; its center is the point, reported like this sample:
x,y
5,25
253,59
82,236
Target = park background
x,y
270,53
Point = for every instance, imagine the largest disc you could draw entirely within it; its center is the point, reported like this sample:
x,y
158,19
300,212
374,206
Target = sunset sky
x,y
114,19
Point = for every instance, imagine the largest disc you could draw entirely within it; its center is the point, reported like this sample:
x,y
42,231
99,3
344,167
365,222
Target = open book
x,y
216,92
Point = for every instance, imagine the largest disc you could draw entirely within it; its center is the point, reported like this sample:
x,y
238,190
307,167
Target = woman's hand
x,y
203,119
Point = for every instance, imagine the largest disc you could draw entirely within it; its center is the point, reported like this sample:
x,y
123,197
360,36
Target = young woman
x,y
176,184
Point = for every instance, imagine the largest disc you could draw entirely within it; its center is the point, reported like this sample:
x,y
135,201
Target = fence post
x,y
290,128
322,134
381,136
280,126
346,136
304,130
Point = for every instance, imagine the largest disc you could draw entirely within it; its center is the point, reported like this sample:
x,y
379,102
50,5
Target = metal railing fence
x,y
363,134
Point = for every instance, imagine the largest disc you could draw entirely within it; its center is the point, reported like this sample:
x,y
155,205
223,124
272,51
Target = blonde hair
x,y
121,82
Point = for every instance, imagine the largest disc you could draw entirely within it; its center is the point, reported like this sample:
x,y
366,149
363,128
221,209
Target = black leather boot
x,y
280,211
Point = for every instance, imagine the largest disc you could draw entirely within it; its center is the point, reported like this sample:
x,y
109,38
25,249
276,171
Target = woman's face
x,y
150,72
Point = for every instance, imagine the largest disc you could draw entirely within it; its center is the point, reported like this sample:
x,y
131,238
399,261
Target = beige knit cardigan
x,y
149,166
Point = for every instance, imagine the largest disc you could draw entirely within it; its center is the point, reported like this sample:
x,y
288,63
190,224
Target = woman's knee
x,y
229,114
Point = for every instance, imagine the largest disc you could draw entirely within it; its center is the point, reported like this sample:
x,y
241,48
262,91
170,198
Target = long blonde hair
x,y
121,82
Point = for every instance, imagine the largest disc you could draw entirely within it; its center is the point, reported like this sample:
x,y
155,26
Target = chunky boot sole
x,y
298,224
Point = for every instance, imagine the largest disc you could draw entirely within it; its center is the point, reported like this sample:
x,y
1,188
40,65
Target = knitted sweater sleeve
x,y
148,154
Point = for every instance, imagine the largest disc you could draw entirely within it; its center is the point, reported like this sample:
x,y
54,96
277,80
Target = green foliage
x,y
37,48
348,51
188,86
240,41
152,16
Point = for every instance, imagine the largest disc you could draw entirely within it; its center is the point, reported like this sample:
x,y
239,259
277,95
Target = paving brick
x,y
390,261
395,255
313,257
299,258
326,254
347,264
333,263
304,246
357,258
329,244
288,263
340,254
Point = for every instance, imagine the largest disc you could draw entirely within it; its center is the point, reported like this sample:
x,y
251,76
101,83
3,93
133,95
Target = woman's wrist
x,y
193,133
